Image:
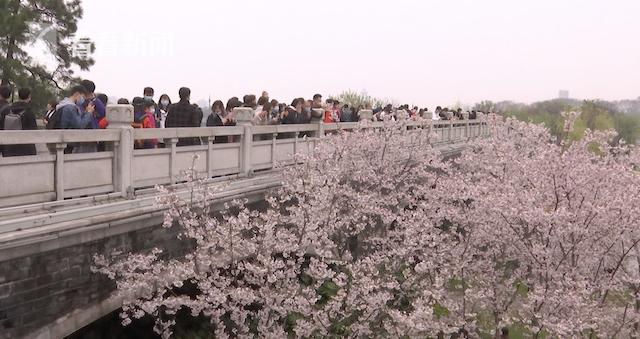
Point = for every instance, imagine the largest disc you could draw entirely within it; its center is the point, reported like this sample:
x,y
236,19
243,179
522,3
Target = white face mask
x,y
165,102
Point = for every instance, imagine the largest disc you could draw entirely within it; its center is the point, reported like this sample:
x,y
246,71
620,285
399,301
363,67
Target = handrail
x,y
56,136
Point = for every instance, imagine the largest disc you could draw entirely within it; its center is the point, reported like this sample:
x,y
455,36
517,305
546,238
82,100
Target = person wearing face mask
x,y
87,147
148,94
68,114
165,102
144,117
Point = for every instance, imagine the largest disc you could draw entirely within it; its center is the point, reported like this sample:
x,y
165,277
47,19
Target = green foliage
x,y
355,99
440,311
628,127
52,23
484,106
522,288
595,115
327,290
456,284
290,323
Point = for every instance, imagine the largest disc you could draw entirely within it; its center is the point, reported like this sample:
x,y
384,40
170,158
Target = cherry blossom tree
x,y
374,234
553,231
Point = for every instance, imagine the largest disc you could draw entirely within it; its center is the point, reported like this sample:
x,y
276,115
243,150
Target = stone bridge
x,y
57,210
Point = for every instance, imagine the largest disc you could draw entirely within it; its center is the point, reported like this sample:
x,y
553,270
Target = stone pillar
x,y
448,115
120,117
465,117
244,117
427,115
402,115
366,115
317,117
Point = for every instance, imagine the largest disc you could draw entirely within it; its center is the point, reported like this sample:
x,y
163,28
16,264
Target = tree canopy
x,y
52,23
595,115
385,239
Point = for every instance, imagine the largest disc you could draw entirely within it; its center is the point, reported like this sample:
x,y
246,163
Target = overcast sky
x,y
424,52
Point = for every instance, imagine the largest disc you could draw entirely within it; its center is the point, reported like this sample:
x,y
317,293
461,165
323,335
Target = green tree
x,y
484,106
52,23
595,115
628,127
355,99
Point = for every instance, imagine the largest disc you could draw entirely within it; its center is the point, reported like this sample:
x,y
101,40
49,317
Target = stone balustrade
x,y
121,169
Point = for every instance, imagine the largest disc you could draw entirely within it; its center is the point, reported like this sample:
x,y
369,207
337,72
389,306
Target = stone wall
x,y
37,290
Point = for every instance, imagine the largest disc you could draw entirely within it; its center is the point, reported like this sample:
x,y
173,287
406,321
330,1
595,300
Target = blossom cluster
x,y
374,234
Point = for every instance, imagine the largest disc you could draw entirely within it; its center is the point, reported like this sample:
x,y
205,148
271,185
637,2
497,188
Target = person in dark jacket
x,y
291,115
21,109
184,114
51,108
219,117
5,95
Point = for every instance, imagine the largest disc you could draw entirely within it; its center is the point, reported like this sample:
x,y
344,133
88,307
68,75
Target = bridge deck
x,y
52,222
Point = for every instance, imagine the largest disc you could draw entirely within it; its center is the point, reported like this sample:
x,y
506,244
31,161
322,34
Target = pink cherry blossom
x,y
373,234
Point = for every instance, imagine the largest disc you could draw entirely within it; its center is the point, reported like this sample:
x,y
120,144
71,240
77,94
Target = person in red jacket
x,y
146,119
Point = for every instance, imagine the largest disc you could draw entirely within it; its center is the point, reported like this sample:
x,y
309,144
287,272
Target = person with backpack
x,y
68,114
19,117
145,117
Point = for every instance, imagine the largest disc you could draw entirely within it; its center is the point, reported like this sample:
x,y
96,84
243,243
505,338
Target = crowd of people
x,y
83,108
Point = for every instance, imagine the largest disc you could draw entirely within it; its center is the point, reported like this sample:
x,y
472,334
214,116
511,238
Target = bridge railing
x,y
121,169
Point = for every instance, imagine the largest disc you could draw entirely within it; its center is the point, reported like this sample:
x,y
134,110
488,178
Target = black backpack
x,y
54,120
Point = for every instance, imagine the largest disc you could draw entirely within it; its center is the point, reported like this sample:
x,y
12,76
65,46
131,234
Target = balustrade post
x,y
173,161
450,131
210,141
428,116
274,145
366,115
60,147
317,118
244,117
320,129
295,145
465,116
120,117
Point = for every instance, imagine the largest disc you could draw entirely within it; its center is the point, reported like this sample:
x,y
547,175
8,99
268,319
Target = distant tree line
x,y
623,116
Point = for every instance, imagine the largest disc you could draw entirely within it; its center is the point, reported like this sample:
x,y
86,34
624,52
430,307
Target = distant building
x,y
563,94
